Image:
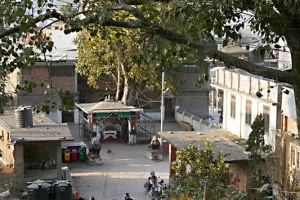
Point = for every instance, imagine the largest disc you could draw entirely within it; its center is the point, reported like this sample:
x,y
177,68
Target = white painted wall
x,y
244,86
288,103
55,116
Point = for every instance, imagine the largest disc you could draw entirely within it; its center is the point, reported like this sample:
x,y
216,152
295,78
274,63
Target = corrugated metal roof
x,y
106,106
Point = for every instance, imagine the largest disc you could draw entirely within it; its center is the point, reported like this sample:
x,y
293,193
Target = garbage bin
x,y
67,155
74,155
81,154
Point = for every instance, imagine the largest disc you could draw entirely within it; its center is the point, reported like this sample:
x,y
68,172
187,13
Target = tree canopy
x,y
186,22
202,174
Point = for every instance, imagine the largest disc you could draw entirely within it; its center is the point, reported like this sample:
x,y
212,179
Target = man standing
x,y
132,136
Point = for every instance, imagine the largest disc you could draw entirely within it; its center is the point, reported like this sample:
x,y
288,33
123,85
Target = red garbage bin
x,y
74,155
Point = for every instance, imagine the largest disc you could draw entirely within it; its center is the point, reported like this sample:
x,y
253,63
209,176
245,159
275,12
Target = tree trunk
x,y
129,86
294,46
125,91
118,84
129,91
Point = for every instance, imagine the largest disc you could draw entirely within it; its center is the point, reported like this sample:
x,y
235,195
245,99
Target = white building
x,y
241,96
278,57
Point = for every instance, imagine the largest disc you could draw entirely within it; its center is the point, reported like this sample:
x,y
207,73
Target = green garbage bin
x,y
81,154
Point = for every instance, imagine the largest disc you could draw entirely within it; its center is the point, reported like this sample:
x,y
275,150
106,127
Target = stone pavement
x,y
124,169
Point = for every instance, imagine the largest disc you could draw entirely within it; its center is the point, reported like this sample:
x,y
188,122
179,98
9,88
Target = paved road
x,y
125,169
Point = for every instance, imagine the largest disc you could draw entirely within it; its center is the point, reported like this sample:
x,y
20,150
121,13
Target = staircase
x,y
146,129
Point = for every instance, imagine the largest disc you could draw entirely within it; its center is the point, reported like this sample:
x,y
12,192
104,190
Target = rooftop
x,y
221,141
43,129
106,106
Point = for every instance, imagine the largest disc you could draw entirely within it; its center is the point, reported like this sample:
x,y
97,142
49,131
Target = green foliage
x,y
67,100
194,168
197,22
256,142
27,86
140,57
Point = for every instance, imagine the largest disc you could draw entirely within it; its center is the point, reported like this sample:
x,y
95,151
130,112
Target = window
x,y
248,112
293,159
61,71
266,110
298,159
2,135
232,106
26,70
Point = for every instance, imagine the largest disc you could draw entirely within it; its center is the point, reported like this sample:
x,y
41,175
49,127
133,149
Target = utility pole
x,y
205,187
162,108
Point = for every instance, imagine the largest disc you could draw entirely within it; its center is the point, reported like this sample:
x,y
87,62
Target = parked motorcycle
x,y
155,187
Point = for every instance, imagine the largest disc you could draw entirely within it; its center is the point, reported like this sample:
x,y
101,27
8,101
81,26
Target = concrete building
x,y
240,97
27,139
221,141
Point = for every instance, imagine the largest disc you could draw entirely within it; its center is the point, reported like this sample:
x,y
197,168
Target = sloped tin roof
x,y
106,106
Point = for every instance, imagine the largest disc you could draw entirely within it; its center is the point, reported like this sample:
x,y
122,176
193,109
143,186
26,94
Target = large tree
x,y
202,174
133,59
187,22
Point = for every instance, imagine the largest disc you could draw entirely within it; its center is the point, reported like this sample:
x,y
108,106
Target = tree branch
x,y
140,2
136,12
41,18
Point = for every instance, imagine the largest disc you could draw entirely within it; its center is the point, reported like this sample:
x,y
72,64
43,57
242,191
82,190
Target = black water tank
x,y
23,117
62,190
28,116
39,190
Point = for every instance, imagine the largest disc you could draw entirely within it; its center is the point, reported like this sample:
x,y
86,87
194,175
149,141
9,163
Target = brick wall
x,y
40,74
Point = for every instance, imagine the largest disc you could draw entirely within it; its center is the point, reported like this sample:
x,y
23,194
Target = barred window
x,y
61,71
266,110
248,112
232,106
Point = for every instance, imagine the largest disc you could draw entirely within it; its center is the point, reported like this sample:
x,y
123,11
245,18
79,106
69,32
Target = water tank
x,y
28,116
62,190
23,117
39,190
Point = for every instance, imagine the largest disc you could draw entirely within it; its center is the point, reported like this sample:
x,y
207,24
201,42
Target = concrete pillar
x,y
172,157
217,100
76,116
19,162
212,110
59,161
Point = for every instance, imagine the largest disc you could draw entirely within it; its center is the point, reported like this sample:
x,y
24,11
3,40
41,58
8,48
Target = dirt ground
x,y
7,181
6,176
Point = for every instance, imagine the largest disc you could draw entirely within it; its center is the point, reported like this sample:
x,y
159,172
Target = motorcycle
x,y
155,188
